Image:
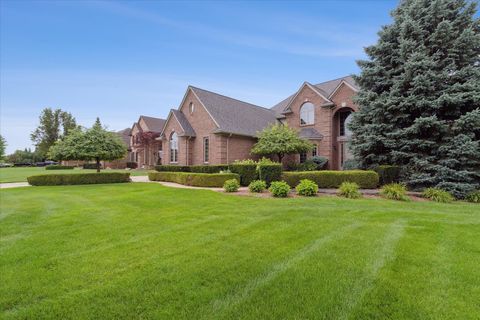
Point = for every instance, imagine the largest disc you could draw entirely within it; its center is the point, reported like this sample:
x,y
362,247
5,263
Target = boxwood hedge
x,y
215,168
58,167
333,179
270,172
247,172
193,179
81,178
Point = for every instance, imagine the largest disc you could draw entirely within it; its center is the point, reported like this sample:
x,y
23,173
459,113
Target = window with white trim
x,y
307,113
191,107
315,150
174,148
206,149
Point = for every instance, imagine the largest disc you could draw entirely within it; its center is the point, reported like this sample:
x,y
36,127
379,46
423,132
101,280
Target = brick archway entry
x,y
341,137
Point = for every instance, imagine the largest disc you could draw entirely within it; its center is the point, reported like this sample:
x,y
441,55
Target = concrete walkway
x,y
13,185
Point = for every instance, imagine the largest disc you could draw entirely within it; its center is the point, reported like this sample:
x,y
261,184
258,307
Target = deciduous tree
x,y
280,140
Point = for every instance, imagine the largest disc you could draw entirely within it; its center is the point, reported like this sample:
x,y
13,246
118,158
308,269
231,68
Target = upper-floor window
x,y
206,149
307,114
174,147
191,107
345,119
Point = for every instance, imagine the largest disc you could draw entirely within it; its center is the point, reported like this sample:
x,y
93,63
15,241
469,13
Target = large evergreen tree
x,y
420,96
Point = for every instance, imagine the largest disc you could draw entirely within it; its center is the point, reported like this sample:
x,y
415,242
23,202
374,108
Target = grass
x,y
20,174
146,251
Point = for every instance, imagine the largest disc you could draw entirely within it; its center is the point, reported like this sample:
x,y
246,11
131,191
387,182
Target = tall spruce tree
x,y
420,96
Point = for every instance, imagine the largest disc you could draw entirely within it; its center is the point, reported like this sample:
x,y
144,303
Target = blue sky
x,y
118,60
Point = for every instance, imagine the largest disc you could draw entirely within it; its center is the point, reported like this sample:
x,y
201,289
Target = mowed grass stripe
x,y
146,251
240,295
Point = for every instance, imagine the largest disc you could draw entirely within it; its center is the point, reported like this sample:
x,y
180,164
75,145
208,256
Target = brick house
x,y
209,128
145,150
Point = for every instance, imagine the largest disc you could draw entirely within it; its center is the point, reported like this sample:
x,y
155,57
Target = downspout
x,y
228,139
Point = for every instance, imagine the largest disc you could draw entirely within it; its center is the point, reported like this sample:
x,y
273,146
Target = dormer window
x,y
307,114
191,107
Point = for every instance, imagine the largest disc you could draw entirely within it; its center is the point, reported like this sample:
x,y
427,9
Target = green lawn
x,y
141,250
20,174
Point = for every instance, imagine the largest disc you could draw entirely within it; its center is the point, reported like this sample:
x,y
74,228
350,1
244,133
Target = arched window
x,y
307,113
174,147
345,119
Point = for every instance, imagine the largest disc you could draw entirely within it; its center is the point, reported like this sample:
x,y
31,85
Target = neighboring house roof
x,y
326,89
310,133
153,124
234,116
124,135
182,120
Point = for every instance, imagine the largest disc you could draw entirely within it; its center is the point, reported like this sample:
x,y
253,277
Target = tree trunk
x,y
98,164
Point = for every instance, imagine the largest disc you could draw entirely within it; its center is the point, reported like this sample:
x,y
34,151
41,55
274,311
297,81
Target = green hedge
x,y
270,172
214,168
81,178
388,174
193,179
333,179
58,167
247,172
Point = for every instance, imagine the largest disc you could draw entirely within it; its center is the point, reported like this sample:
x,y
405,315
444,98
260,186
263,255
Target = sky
x,y
118,60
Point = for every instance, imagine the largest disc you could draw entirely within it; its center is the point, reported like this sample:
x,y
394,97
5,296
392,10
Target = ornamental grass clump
x,y
257,186
279,189
231,185
437,195
394,191
473,196
349,190
307,188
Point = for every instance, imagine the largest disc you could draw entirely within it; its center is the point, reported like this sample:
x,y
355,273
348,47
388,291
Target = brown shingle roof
x,y
235,116
325,88
124,135
153,124
182,120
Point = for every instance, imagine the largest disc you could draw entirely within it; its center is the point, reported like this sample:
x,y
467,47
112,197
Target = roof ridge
x,y
333,80
222,95
143,116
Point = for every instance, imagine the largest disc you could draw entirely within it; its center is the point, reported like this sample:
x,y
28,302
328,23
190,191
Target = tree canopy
x,y
95,143
54,125
280,140
420,96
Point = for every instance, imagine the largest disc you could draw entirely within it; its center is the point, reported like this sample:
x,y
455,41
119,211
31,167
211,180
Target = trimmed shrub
x,y
58,167
437,195
394,191
193,179
257,186
350,164
247,172
231,185
172,168
213,168
270,172
307,188
90,166
333,179
473,196
349,190
279,189
320,161
132,165
81,178
388,174
308,165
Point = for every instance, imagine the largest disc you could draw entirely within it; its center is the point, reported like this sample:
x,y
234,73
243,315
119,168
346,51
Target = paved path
x,y
14,185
